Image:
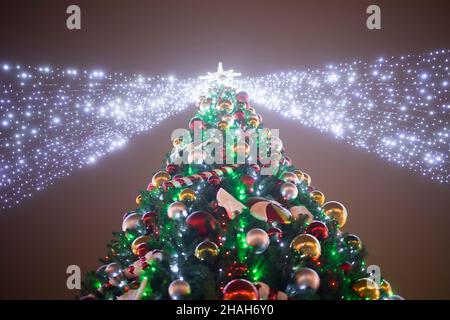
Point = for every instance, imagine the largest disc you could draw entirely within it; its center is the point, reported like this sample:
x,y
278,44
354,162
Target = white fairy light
x,y
397,108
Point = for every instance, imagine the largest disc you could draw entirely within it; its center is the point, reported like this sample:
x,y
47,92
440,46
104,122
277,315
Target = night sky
x,y
401,217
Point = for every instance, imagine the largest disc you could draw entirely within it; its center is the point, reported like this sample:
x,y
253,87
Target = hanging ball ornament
x,y
131,222
139,199
307,178
228,118
179,289
289,191
258,239
306,245
367,289
204,105
242,97
275,233
385,288
187,195
113,270
352,242
318,197
276,144
240,289
299,174
289,177
317,229
160,177
223,125
138,241
307,278
335,211
202,222
206,250
226,106
253,121
177,210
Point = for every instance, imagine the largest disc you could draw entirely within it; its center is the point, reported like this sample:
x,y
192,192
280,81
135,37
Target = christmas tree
x,y
230,217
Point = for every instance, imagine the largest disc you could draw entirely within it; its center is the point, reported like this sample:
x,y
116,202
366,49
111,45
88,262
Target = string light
x,y
53,120
397,107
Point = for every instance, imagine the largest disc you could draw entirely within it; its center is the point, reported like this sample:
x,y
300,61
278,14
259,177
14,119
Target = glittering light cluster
x,y
53,120
396,107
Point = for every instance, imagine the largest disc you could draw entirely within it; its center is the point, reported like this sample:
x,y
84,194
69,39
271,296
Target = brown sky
x,y
402,218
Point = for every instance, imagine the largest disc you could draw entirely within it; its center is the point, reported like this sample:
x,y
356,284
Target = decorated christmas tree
x,y
230,217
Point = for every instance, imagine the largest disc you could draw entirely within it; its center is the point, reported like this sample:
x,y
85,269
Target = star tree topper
x,y
220,76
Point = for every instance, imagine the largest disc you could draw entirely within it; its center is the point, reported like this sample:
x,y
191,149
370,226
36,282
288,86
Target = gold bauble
x,y
226,106
307,178
206,250
179,289
160,177
367,288
137,242
306,245
223,125
187,195
318,197
385,288
299,174
289,177
253,121
335,211
352,242
139,200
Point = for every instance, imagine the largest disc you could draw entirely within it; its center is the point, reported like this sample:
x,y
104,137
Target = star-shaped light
x,y
220,76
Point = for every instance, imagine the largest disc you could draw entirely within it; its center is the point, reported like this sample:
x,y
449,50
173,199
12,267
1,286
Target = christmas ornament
x,y
307,179
202,222
258,239
253,121
289,191
265,210
306,245
317,229
394,297
225,106
187,195
335,211
385,288
299,174
289,177
134,294
179,289
177,210
352,242
367,289
201,176
223,125
149,217
206,250
276,144
160,177
204,105
275,233
248,181
237,269
131,222
318,197
242,97
228,118
137,242
301,212
113,270
227,201
240,289
139,200
138,267
307,278
239,115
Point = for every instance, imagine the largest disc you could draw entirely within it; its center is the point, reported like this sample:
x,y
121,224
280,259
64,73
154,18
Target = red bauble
x,y
214,180
239,115
317,229
197,122
242,97
171,169
275,233
248,181
150,187
142,249
202,222
240,289
149,217
346,267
